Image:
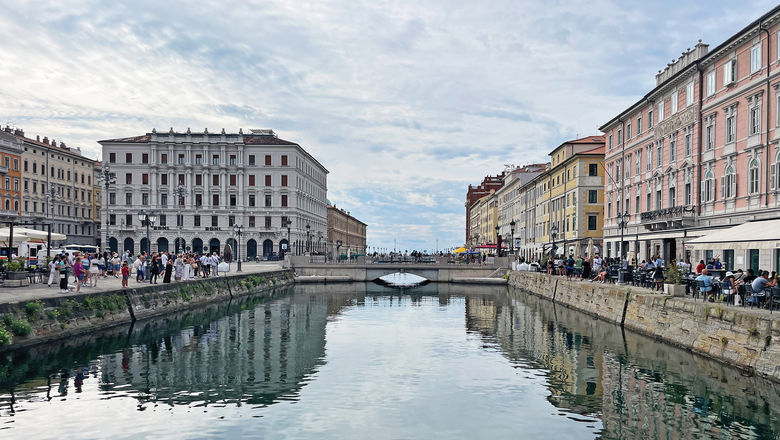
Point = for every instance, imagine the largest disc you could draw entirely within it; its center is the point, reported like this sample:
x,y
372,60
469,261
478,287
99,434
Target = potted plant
x,y
15,271
673,281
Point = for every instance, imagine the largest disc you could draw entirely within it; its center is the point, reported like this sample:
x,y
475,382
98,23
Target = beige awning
x,y
760,234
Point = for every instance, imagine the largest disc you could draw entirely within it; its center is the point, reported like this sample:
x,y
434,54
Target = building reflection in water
x,y
638,387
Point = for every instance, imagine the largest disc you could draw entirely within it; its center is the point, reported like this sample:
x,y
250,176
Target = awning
x,y
20,233
760,234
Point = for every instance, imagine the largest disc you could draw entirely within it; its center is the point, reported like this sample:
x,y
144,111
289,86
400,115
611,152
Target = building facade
x,y
346,234
512,204
473,194
10,175
699,152
54,183
202,185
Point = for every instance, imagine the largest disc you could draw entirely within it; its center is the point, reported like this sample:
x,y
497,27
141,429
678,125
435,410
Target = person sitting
x,y
729,286
761,283
601,276
706,288
701,266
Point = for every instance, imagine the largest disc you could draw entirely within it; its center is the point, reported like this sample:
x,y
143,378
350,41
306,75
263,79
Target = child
x,y
125,274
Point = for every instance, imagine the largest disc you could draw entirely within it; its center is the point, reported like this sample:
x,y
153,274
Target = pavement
x,y
40,290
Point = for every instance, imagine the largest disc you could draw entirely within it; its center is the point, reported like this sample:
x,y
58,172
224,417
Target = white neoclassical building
x,y
201,185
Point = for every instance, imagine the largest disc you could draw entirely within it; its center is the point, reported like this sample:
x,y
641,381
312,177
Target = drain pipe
x,y
700,121
766,107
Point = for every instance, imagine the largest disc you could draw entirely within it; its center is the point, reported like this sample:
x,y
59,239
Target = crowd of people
x,y
86,270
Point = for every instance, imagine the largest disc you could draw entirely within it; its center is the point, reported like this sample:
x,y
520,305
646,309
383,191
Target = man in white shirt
x,y
205,262
215,264
164,258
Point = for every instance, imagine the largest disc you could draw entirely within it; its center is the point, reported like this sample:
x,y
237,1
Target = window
x,y
128,157
673,100
215,159
638,164
661,110
688,141
198,159
145,199
214,221
251,180
231,220
163,219
164,199
711,83
181,179
284,180
731,124
198,199
164,158
112,157
672,196
728,183
755,119
593,196
620,137
268,200
267,180
774,172
251,200
689,94
610,141
673,147
649,118
129,219
232,200
284,160
638,125
628,166
628,131
129,178
618,174
649,200
636,202
659,153
112,198
215,200
233,159
593,169
251,221
284,199
145,158
730,72
755,58
196,220
708,185
709,132
232,180
268,160
649,161
251,160
181,159
215,179
753,182
128,199
268,222
144,179
179,220
198,180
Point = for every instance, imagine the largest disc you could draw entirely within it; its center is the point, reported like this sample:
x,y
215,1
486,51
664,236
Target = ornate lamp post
x,y
512,237
108,179
237,229
622,222
308,233
147,218
289,222
553,234
498,245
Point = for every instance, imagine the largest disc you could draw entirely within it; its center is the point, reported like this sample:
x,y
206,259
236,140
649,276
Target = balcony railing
x,y
669,218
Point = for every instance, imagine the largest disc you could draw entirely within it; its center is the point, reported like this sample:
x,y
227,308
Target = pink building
x,y
699,152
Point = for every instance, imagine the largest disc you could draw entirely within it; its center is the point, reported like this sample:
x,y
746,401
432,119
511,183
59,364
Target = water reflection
x,y
254,353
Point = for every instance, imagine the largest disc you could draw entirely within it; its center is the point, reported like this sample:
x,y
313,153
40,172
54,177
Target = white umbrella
x,y
30,233
590,248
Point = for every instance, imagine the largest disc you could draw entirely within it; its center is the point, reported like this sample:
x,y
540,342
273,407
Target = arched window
x,y
708,187
753,182
774,171
728,183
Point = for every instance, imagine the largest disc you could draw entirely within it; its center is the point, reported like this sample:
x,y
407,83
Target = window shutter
x,y
723,187
727,73
773,175
701,192
734,186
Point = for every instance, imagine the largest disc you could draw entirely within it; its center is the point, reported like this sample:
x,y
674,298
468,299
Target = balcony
x,y
669,218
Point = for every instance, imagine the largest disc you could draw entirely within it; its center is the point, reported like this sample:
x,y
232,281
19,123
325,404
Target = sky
x,y
406,103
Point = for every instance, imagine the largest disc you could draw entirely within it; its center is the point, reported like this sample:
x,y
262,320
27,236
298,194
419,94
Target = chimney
x,y
38,137
45,139
53,143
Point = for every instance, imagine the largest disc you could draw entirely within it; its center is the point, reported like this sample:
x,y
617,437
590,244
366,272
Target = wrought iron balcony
x,y
669,218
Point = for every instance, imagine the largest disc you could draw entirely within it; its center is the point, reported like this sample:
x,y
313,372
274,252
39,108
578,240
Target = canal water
x,y
356,361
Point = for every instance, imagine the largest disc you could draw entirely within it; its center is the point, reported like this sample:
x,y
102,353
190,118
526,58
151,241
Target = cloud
x,y
406,103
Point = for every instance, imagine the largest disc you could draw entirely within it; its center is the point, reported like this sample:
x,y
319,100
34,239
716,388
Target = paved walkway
x,y
40,290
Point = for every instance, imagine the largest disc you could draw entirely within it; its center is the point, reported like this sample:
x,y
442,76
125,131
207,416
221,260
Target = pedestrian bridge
x,y
442,273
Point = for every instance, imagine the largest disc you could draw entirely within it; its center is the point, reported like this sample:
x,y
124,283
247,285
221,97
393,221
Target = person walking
x,y
78,273
154,270
168,270
138,267
62,267
178,267
53,269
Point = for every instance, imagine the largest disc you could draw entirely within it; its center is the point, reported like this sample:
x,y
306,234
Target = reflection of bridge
x,y
371,272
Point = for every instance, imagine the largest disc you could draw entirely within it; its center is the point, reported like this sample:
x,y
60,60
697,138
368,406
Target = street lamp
x,y
553,234
498,245
622,222
237,231
288,223
512,237
147,218
308,229
108,179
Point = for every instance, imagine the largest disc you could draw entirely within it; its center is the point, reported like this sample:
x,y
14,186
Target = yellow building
x,y
575,196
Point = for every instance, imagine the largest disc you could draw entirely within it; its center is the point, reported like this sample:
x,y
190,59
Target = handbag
x,y
194,265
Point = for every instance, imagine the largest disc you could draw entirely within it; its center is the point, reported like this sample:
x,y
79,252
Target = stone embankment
x,y
748,339
47,319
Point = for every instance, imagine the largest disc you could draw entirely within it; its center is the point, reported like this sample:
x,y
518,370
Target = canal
x,y
366,361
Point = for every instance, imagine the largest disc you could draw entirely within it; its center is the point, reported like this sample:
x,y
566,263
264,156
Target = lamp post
x,y
108,179
308,233
622,221
288,223
512,237
498,245
237,229
553,234
147,218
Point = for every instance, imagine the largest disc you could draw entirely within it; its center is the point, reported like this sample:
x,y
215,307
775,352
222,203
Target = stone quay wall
x,y
44,320
744,338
